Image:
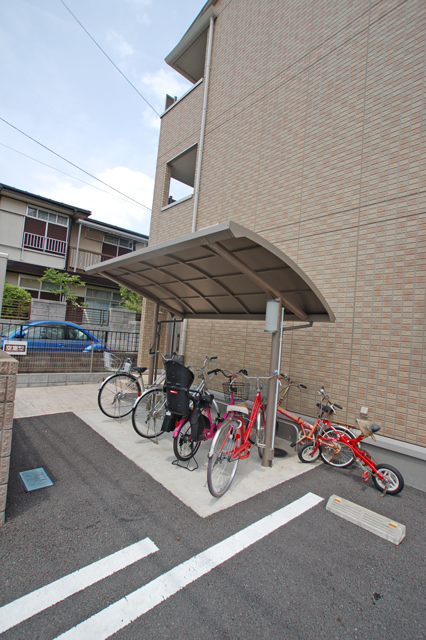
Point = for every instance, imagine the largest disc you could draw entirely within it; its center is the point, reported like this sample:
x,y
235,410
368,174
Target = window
x,y
102,298
114,246
40,290
45,231
45,215
182,175
77,334
48,332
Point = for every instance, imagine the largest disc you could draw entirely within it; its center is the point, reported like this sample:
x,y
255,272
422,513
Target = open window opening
x,y
182,175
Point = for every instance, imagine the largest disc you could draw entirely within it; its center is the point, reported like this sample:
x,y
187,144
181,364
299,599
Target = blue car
x,y
55,335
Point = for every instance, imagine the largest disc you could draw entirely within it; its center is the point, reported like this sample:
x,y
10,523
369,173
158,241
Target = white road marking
x,y
23,608
123,612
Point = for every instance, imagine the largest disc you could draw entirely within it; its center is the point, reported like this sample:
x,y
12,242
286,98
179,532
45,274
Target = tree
x,y
63,284
16,301
130,300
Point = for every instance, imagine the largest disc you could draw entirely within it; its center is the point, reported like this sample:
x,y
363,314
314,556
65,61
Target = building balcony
x,y
81,259
46,245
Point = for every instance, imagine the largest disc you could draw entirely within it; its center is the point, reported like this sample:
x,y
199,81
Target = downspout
x,y
203,125
200,156
78,246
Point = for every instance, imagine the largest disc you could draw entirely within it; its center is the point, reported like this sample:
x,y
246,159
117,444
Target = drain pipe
x,y
78,247
203,125
200,156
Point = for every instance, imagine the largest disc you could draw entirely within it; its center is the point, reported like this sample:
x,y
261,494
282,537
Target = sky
x,y
67,112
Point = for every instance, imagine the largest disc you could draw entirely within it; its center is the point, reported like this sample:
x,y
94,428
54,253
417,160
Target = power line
x,y
107,56
92,186
73,165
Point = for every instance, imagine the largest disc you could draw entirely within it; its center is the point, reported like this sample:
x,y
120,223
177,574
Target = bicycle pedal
x,y
293,444
365,476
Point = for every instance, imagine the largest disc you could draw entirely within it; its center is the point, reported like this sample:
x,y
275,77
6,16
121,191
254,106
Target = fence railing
x,y
73,356
41,243
16,309
88,316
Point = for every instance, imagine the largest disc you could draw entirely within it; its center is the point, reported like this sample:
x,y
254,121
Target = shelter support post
x,y
153,358
271,407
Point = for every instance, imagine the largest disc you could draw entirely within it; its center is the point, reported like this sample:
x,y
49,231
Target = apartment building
x,y
304,124
37,233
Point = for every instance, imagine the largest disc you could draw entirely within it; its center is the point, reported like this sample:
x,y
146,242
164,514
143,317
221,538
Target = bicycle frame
x,y
359,453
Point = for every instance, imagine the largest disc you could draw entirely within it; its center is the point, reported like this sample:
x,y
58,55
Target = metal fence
x,y
72,355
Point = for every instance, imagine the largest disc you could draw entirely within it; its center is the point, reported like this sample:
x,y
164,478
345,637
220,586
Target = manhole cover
x,y
35,479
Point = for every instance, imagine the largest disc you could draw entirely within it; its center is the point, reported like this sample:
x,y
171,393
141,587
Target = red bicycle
x,y
232,441
338,447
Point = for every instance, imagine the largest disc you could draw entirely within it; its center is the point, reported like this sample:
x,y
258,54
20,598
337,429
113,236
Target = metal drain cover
x,y
35,479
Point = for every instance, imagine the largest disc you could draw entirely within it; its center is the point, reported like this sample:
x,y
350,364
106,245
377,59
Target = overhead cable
x,y
92,186
107,56
74,165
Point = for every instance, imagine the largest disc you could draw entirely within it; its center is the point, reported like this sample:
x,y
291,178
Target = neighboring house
x,y
304,124
38,233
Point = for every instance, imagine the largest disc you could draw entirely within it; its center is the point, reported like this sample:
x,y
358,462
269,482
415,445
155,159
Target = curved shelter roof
x,y
222,272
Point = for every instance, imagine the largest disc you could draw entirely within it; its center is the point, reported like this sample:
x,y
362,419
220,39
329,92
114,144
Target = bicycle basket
x,y
241,391
178,383
111,362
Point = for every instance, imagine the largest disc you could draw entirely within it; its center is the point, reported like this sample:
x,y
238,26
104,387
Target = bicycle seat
x,y
241,407
140,369
367,428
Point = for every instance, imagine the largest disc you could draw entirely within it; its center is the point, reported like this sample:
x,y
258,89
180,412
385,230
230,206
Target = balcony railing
x,y
85,258
41,243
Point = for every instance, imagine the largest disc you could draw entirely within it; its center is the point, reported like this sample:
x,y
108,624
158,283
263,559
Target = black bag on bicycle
x,y
178,383
169,422
197,419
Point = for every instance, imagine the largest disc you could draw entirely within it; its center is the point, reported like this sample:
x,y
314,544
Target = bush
x,y
16,302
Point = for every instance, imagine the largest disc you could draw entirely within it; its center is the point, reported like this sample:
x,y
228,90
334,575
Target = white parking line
x,y
23,608
120,614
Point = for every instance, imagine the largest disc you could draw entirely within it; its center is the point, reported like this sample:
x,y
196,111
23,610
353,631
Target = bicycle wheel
x,y
183,447
392,482
309,452
117,395
221,466
148,413
334,452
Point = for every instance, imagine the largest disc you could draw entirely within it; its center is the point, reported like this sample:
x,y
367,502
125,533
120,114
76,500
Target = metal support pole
x,y
271,407
152,358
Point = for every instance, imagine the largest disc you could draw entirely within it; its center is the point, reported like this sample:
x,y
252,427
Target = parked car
x,y
55,335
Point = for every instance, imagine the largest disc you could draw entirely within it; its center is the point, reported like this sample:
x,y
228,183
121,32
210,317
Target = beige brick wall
x,y
314,140
8,371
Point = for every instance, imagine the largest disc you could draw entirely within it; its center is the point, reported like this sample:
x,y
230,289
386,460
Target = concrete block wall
x,y
8,372
48,310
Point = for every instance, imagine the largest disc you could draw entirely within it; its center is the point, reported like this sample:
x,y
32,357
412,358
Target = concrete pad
x,y
369,520
156,458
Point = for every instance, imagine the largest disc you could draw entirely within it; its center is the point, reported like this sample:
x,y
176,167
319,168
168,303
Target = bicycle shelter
x,y
223,272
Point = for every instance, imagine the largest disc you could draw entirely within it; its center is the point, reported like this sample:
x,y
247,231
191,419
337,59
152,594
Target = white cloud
x,y
163,82
108,207
124,48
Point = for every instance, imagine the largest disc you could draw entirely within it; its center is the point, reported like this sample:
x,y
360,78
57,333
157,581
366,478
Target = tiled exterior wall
x,y
8,371
314,140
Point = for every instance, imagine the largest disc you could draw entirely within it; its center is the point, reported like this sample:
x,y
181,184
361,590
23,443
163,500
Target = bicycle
x,y
232,441
118,392
184,445
340,450
308,434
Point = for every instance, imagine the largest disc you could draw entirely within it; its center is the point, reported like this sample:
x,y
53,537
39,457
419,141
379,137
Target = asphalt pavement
x,y
229,574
